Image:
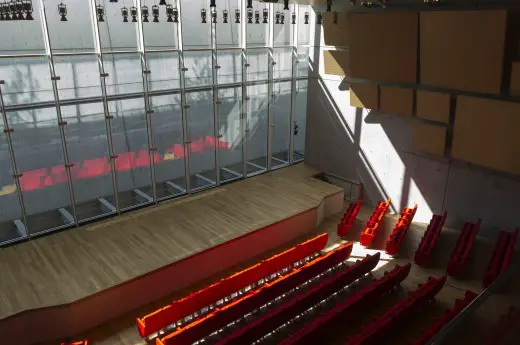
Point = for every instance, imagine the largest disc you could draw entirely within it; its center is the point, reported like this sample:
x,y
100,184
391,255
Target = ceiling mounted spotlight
x,y
257,17
335,17
100,11
237,16
163,3
155,13
203,15
175,15
265,14
225,15
12,9
19,9
133,13
28,8
277,17
319,18
145,13
306,18
214,15
329,5
2,17
249,3
431,2
212,3
293,18
5,7
282,18
250,16
62,11
286,5
169,13
366,3
124,14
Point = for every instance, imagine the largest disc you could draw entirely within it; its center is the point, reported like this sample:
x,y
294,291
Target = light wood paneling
x,y
463,50
383,46
70,265
364,96
336,62
434,106
335,34
486,133
429,138
396,100
515,79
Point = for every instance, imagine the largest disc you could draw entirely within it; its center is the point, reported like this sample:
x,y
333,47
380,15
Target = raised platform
x,y
66,283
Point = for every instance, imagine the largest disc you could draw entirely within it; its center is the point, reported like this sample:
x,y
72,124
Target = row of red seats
x,y
180,309
221,316
449,315
370,230
311,333
399,231
507,326
348,218
502,255
290,309
460,253
424,251
376,331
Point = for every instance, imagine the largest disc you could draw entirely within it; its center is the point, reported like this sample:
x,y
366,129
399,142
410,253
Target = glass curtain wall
x,y
107,106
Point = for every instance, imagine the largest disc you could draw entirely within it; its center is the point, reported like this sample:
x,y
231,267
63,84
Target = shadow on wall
x,y
377,150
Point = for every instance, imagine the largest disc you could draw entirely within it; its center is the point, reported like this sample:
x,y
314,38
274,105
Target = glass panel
x,y
283,29
73,35
27,80
230,130
88,151
23,36
199,66
303,62
195,34
169,141
257,34
201,135
230,62
283,59
304,30
116,35
228,34
10,211
281,129
79,76
258,64
131,146
164,68
159,34
124,73
39,156
257,118
300,119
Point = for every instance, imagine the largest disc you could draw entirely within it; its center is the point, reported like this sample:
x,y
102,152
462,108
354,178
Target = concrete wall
x,y
376,150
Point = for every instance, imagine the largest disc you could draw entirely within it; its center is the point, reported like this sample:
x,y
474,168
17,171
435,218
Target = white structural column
x,y
108,124
294,42
270,87
61,122
245,97
216,100
147,105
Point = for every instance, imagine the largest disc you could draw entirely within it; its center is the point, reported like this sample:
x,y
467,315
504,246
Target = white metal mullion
x,y
270,91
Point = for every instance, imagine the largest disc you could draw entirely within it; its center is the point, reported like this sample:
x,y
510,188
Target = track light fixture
x,y
257,17
62,11
286,5
335,17
237,16
175,15
225,15
265,14
169,13
250,16
203,15
100,11
19,9
5,7
249,3
12,8
282,18
329,5
155,13
133,13
431,2
277,17
306,18
124,14
319,18
214,15
28,8
163,3
212,3
2,16
145,13
366,3
293,16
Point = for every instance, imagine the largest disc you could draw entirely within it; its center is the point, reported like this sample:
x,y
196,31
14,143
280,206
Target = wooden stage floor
x,y
71,265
